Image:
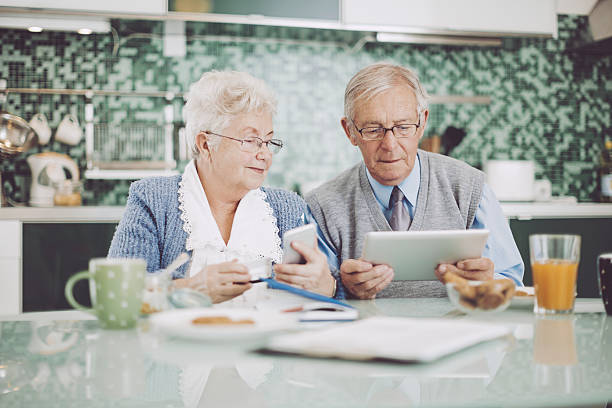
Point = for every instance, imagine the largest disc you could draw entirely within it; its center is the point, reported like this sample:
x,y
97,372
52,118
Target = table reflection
x,y
606,343
62,363
114,364
554,341
555,355
214,375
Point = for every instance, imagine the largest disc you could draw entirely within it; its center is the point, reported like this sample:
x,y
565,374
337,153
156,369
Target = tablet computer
x,y
414,255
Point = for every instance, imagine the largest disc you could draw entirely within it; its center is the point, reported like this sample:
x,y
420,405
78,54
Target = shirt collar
x,y
409,186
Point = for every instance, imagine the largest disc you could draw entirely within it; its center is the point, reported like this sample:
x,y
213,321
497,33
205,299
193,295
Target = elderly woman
x,y
217,210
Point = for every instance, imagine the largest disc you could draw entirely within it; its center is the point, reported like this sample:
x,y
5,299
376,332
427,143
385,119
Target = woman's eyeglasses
x,y
253,144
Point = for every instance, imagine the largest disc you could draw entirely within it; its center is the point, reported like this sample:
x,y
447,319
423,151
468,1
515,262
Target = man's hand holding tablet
x,y
480,269
364,279
418,255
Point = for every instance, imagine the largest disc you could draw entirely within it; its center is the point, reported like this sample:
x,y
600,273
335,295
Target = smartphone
x,y
305,234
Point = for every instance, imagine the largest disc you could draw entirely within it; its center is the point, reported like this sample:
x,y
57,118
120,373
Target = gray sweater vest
x,y
345,209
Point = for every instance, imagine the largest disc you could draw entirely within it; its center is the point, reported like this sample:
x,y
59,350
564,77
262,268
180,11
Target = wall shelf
x,y
95,174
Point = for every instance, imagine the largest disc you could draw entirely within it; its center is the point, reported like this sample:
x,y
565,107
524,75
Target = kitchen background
x,y
549,102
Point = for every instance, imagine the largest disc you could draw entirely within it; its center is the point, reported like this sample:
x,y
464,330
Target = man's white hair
x,y
376,78
218,97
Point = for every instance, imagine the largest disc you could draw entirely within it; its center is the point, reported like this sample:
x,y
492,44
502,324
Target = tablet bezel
x,y
414,255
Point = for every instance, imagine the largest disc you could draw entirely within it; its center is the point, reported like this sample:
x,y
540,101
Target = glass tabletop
x,y
64,359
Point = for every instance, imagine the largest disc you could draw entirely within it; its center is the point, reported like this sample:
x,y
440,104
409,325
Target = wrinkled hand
x,y
314,275
480,269
364,280
222,281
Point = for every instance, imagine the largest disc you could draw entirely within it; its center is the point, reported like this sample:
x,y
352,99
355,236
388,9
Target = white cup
x,y
69,131
41,126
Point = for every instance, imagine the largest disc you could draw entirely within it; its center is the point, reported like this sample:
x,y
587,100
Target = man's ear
x,y
345,125
424,117
201,143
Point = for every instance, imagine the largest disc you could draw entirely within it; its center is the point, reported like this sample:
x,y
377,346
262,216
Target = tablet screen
x,y
414,255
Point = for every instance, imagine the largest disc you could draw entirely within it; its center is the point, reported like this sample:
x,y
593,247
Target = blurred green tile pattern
x,y
548,103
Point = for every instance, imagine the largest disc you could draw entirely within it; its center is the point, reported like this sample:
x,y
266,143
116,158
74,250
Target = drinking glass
x,y
554,264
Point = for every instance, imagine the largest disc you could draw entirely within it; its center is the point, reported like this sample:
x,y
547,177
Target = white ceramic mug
x,y
41,126
69,131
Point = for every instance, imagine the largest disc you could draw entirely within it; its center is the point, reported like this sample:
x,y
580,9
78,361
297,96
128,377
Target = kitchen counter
x,y
552,209
79,214
113,214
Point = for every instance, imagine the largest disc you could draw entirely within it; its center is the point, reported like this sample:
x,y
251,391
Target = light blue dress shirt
x,y
500,246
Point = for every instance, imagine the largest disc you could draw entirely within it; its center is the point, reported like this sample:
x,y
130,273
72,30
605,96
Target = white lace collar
x,y
254,230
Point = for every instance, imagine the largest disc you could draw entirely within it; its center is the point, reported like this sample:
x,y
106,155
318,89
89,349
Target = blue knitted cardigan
x,y
152,229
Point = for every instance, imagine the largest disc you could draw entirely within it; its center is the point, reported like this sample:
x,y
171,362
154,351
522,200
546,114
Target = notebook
x,y
391,338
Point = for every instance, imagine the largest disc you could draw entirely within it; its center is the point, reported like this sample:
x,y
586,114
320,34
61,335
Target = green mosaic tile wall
x,y
548,103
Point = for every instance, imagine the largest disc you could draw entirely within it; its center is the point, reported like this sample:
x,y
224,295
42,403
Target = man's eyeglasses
x,y
253,144
404,130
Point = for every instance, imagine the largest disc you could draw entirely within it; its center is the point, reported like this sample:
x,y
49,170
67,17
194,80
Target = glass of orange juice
x,y
554,264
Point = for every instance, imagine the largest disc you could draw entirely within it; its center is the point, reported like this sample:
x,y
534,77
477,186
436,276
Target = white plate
x,y
179,322
523,301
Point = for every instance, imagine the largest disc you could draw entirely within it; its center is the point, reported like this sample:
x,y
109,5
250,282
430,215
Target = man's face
x,y
389,160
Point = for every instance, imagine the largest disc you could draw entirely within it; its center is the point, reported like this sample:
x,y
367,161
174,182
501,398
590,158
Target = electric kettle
x,y
47,171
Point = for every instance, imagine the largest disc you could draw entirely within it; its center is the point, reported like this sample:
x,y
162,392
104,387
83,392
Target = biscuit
x,y
220,320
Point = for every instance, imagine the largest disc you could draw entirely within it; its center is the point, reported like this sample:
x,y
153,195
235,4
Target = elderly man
x,y
399,187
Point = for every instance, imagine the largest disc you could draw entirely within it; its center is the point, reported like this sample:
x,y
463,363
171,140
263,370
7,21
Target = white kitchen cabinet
x,y
40,248
109,6
468,16
10,286
10,239
10,267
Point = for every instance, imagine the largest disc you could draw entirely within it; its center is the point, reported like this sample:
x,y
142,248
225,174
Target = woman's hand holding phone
x,y
304,265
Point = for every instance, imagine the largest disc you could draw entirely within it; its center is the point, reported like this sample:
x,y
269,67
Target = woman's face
x,y
237,169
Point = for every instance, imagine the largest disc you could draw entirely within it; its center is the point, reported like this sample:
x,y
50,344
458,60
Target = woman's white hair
x,y
380,77
217,98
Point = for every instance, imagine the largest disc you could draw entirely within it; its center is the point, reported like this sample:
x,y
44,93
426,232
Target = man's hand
x,y
480,269
313,276
364,280
222,281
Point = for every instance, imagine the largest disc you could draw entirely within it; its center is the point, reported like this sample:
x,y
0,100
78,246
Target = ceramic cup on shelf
x,y
41,127
69,131
115,286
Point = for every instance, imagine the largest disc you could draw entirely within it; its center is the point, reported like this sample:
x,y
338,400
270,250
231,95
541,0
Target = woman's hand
x,y
313,276
222,281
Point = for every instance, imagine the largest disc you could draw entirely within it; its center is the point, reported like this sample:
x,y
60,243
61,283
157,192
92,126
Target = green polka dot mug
x,y
115,287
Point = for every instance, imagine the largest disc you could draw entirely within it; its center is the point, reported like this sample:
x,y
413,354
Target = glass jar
x,y
155,296
67,192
